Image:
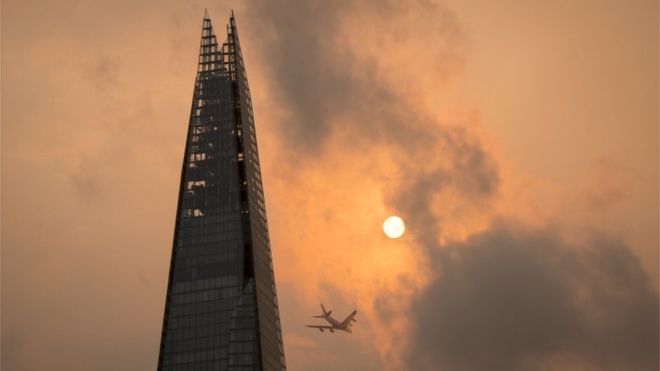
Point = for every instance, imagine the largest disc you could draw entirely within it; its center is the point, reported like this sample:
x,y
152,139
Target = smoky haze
x,y
507,160
512,299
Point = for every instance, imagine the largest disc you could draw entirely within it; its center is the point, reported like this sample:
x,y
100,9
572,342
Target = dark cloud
x,y
471,172
311,77
512,300
317,76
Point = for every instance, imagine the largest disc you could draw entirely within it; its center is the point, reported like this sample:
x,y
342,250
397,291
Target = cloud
x,y
322,66
355,78
515,299
356,121
352,80
312,82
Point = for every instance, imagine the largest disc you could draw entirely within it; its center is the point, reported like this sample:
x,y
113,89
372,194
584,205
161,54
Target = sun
x,y
394,227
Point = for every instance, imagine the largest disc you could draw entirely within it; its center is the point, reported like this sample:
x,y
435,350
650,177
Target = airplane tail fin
x,y
325,313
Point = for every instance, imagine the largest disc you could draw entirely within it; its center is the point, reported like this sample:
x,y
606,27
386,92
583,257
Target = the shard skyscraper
x,y
221,308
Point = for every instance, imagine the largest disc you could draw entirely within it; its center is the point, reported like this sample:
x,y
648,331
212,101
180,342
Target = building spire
x,y
209,52
216,56
221,255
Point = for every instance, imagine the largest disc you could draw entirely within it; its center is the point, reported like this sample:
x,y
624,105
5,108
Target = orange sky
x,y
532,125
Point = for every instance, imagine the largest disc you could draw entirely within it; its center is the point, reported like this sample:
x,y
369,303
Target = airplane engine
x,y
331,330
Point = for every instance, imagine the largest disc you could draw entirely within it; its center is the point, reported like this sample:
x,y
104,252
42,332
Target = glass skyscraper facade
x,y
221,308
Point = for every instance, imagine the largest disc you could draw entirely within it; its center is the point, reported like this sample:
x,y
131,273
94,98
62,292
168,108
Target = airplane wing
x,y
320,326
349,319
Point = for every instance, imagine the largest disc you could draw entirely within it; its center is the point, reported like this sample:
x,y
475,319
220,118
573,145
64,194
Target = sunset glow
x,y
518,139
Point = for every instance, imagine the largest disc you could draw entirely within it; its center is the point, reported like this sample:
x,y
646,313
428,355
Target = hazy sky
x,y
517,139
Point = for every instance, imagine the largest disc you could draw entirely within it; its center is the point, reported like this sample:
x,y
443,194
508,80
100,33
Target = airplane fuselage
x,y
336,325
344,325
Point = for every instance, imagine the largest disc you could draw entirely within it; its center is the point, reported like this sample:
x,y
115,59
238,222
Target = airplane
x,y
344,325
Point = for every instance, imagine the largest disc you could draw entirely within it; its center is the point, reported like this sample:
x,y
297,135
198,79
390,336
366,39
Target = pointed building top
x,y
231,27
218,57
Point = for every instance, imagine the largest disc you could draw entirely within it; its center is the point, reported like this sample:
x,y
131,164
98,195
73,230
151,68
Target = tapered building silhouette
x,y
221,308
